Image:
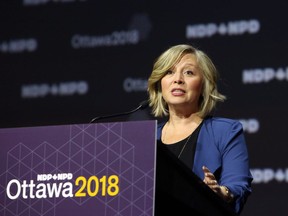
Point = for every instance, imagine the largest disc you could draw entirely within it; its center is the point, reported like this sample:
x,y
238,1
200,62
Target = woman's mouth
x,y
177,92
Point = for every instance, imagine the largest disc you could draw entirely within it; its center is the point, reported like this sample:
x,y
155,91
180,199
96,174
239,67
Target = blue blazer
x,y
222,148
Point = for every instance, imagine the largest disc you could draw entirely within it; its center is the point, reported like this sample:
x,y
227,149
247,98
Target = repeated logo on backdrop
x,y
13,46
229,28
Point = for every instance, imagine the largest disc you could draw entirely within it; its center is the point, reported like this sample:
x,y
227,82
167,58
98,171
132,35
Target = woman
x,y
182,86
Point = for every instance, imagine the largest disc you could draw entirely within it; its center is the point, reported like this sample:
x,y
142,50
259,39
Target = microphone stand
x,y
142,105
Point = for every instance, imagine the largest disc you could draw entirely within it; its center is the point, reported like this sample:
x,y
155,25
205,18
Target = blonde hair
x,y
210,95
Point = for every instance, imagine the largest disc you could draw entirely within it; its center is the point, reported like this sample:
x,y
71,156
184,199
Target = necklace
x,y
184,146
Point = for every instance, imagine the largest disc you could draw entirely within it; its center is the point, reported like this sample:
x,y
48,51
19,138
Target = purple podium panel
x,y
101,169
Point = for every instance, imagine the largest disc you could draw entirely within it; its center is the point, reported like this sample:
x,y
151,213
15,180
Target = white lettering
x,y
67,189
18,189
137,84
231,28
54,189
61,89
19,45
42,2
59,176
267,175
250,125
41,190
264,75
114,39
24,192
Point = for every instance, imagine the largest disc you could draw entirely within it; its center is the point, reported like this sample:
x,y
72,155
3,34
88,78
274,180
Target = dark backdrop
x,y
67,61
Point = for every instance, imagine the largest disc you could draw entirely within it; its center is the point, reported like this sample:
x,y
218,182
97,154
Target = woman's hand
x,y
210,180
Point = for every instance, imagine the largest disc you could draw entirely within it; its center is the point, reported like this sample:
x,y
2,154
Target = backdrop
x,y
67,61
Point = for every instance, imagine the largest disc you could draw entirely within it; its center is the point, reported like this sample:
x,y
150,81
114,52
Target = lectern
x,y
103,169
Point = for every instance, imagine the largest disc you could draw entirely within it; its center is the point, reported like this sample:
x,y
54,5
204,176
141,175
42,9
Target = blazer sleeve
x,y
222,148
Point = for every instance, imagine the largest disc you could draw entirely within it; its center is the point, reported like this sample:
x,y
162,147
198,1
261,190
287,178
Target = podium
x,y
103,169
100,169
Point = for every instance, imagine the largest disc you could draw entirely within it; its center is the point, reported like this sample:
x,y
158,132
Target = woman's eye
x,y
188,72
169,72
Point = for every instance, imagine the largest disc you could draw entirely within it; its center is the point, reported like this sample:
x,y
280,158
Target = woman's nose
x,y
178,78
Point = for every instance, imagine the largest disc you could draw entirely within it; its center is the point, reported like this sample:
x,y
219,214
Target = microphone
x,y
141,106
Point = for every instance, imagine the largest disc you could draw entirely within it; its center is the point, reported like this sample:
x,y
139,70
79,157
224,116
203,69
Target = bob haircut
x,y
210,95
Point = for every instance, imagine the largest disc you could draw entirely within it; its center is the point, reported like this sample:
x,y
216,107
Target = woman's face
x,y
182,85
